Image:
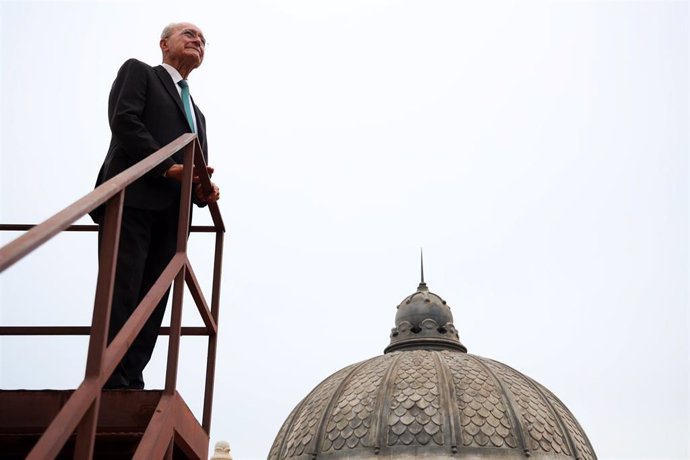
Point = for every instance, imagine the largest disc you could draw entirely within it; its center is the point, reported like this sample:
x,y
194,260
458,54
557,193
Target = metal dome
x,y
427,398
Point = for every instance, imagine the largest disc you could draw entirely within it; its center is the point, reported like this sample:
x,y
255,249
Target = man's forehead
x,y
188,25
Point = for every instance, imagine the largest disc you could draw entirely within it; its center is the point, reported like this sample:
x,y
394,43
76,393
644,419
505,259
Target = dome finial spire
x,y
423,320
422,284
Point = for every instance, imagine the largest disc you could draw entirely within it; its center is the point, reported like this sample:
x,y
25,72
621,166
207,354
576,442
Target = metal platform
x,y
122,423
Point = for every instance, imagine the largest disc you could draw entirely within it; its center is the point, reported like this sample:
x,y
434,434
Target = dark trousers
x,y
147,244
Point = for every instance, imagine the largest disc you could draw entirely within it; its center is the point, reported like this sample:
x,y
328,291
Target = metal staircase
x,y
89,422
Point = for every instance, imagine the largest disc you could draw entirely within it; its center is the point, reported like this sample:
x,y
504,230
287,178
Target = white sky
x,y
537,151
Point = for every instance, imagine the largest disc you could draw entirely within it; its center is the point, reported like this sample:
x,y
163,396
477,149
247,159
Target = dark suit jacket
x,y
145,113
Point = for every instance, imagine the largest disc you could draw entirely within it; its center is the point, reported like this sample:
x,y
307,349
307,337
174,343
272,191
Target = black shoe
x,y
116,382
115,387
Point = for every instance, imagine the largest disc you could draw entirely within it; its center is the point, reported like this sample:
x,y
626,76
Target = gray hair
x,y
169,29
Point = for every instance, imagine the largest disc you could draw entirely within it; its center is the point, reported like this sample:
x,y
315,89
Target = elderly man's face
x,y
186,45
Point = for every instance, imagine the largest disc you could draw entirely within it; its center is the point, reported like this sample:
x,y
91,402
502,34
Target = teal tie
x,y
185,101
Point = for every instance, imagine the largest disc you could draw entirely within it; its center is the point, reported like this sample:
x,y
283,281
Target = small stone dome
x,y
424,318
425,397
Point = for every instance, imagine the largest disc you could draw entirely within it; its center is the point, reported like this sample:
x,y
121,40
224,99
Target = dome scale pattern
x,y
437,403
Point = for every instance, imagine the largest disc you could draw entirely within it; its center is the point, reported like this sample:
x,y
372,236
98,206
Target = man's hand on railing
x,y
211,197
175,173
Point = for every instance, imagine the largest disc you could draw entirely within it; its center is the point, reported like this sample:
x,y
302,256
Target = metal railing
x,y
80,412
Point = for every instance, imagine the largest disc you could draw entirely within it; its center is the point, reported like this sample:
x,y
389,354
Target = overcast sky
x,y
537,151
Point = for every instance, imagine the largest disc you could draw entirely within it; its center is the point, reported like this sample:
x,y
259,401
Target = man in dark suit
x,y
146,111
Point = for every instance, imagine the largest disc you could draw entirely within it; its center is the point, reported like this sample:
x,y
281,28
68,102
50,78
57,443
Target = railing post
x,y
175,332
213,337
107,263
178,291
86,432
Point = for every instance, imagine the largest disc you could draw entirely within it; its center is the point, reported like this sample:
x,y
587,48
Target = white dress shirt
x,y
175,75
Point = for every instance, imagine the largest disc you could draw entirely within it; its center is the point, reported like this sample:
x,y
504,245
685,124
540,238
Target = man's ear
x,y
164,44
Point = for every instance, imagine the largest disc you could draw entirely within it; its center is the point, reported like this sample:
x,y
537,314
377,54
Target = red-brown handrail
x,y
80,412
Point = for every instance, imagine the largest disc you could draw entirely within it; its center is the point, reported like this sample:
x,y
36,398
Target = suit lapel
x,y
169,85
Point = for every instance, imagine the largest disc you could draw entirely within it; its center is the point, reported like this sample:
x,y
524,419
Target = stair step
x,y
123,418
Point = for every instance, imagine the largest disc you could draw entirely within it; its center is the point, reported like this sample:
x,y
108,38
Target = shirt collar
x,y
174,74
